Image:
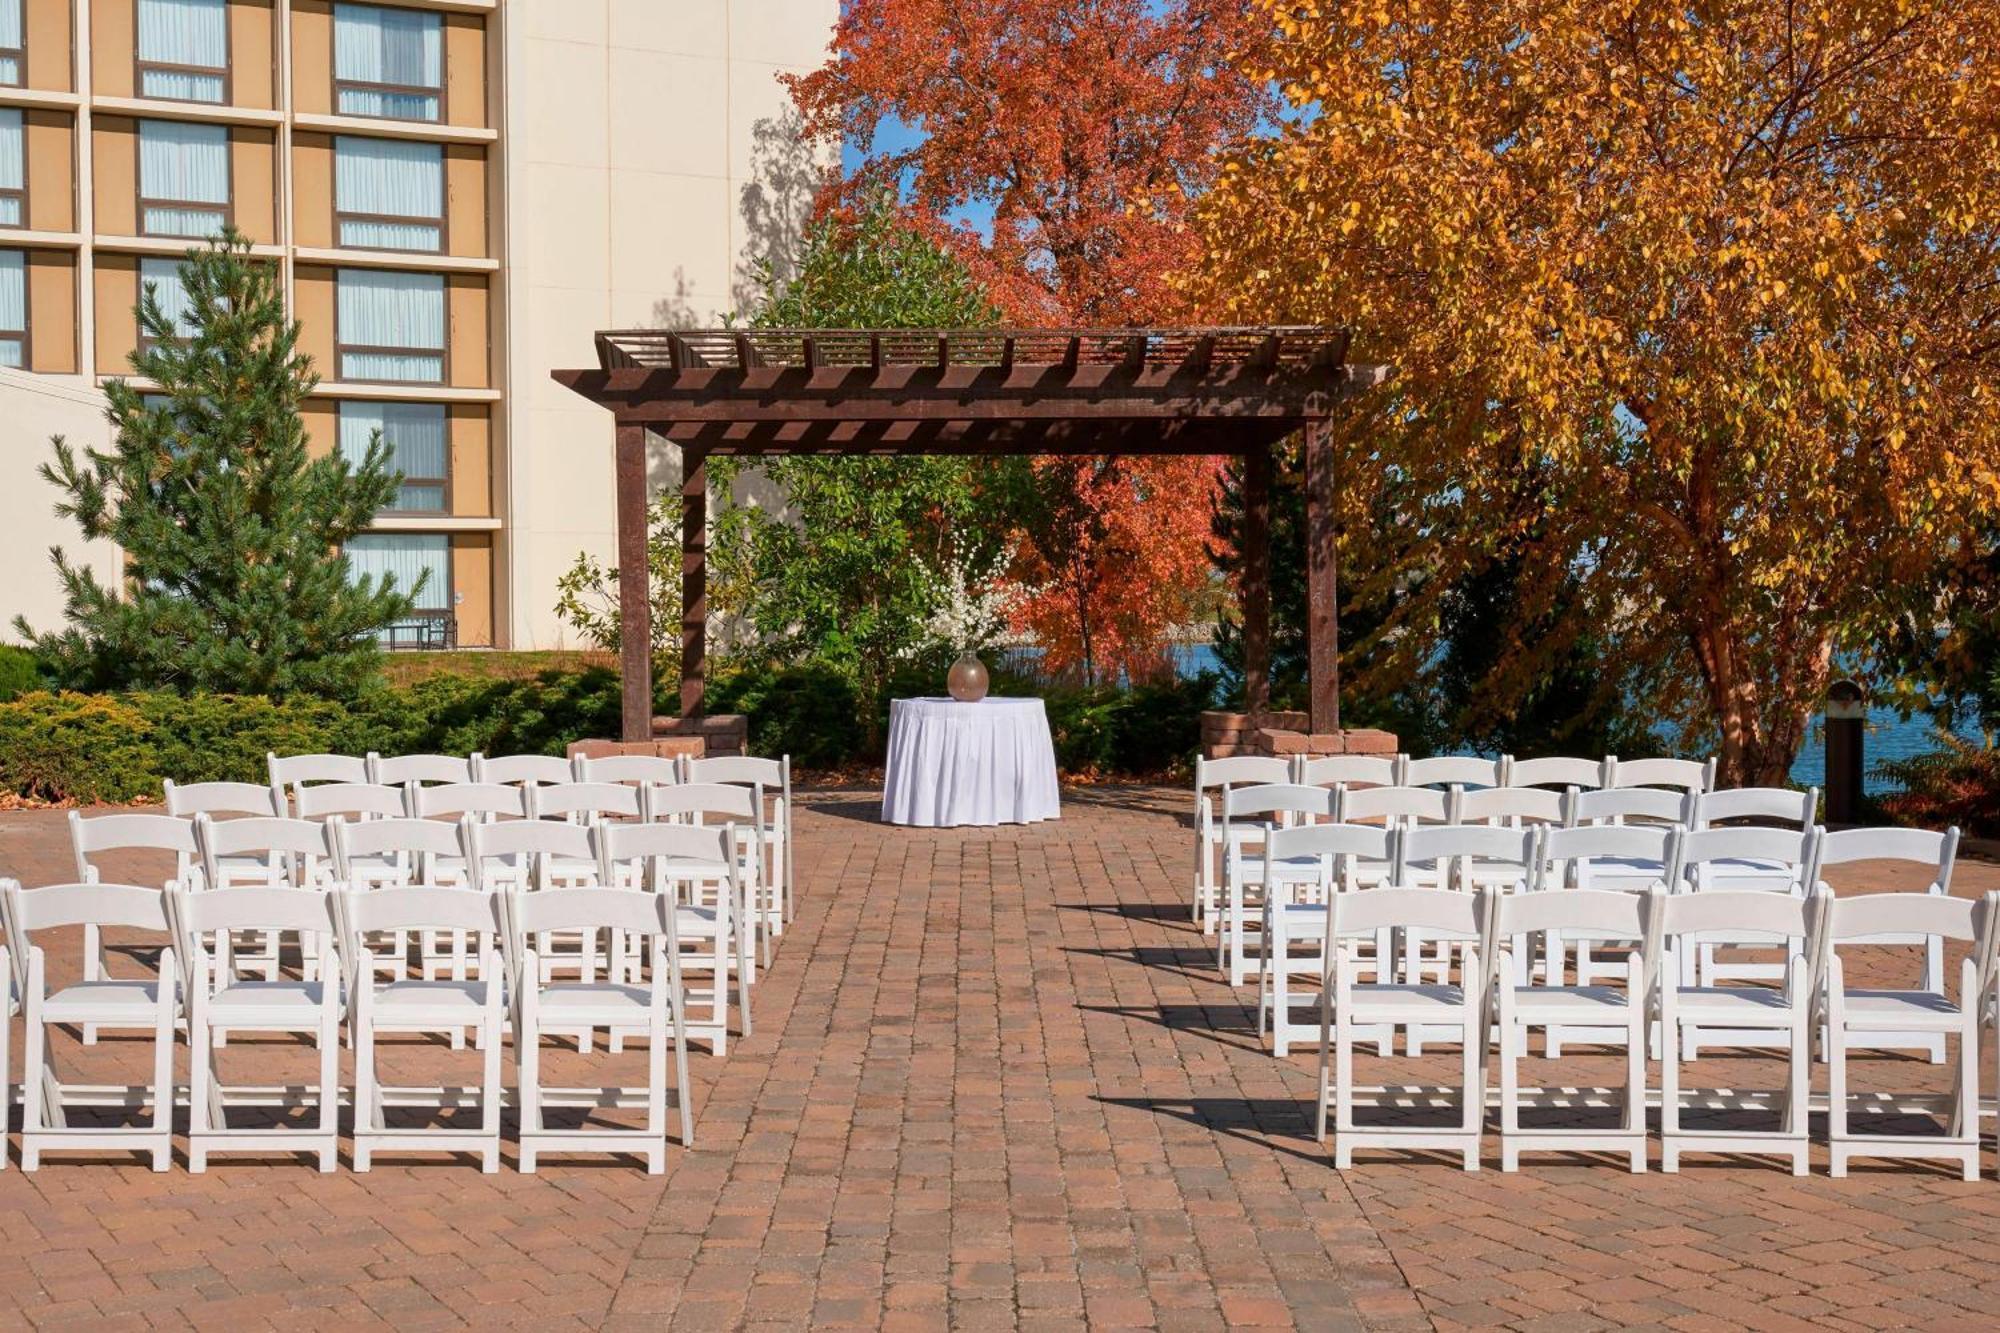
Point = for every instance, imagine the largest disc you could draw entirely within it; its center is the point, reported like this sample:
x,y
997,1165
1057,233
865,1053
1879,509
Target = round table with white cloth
x,y
991,762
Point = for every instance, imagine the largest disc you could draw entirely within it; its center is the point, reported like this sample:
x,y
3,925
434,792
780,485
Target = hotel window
x,y
409,556
13,308
163,277
387,62
183,178
390,326
184,49
13,170
388,194
418,448
13,58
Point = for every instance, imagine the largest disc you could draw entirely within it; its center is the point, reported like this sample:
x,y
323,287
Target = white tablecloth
x,y
953,763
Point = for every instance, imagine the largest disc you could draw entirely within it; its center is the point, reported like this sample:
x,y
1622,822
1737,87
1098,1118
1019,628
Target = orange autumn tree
x,y
1697,303
1084,128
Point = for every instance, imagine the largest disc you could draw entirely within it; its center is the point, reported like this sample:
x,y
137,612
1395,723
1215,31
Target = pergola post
x,y
635,600
1322,582
1255,589
694,581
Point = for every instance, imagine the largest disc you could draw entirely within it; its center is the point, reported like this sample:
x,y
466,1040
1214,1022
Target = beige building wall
x,y
38,407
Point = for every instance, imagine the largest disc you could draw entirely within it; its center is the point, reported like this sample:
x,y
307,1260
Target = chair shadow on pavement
x,y
1283,1124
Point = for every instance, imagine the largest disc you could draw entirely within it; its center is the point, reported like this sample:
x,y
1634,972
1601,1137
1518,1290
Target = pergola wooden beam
x,y
860,392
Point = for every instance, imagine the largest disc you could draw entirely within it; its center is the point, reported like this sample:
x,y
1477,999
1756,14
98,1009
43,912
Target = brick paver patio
x,y
994,1083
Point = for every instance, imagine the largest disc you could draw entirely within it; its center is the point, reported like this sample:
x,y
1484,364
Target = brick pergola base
x,y
1284,734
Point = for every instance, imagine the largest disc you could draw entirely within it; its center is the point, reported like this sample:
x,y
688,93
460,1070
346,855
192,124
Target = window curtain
x,y
396,177
13,306
187,164
417,439
12,173
402,47
10,40
381,310
183,32
407,556
164,277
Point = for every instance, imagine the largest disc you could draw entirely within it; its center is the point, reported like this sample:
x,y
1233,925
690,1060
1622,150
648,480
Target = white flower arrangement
x,y
974,602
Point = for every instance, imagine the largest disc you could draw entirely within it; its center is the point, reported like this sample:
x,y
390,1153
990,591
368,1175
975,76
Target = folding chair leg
x,y
489,1090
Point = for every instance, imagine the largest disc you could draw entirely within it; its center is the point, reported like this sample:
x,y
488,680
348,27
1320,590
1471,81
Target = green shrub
x,y
20,672
87,748
225,737
808,712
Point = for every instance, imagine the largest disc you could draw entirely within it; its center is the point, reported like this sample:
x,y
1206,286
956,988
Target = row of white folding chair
x,y
1485,996
339,921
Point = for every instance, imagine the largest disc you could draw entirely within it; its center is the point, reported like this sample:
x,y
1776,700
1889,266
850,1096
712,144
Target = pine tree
x,y
231,533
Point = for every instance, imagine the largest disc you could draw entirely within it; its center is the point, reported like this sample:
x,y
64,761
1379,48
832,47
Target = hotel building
x,y
458,193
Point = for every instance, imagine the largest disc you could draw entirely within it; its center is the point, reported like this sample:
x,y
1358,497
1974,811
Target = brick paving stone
x,y
994,1083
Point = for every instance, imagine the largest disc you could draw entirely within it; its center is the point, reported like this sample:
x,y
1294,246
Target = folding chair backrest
x,y
1451,770
526,837
1686,774
740,769
1916,846
1618,805
1601,912
390,837
1784,846
256,836
1860,916
570,800
1553,771
1769,805
1627,844
253,908
1478,842
1240,770
1735,913
704,798
300,770
1512,805
1367,842
622,909
1350,770
422,768
519,768
364,800
1278,799
129,906
420,908
1400,805
646,769
451,799
685,845
1456,915
222,798
92,836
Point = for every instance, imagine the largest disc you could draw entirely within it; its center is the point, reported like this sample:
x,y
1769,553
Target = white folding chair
x,y
286,846
636,770
392,854
709,803
1451,770
1351,1011
292,773
149,1003
654,1006
355,801
694,868
1871,1011
535,856
1465,858
1761,1015
522,770
91,837
1352,771
1923,855
1615,1015
1692,775
422,769
1213,778
451,800
772,780
1249,816
218,1001
447,1006
1631,805
233,799
1742,860
1558,771
1602,858
1304,868
588,802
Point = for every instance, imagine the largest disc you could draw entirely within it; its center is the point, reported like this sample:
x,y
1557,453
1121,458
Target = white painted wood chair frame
x,y
287,847
1746,860
522,770
707,805
1249,816
1938,851
394,853
1462,858
1213,778
91,835
1691,775
292,773
1353,771
674,862
1559,771
422,769
1603,858
1450,770
1303,869
633,770
772,780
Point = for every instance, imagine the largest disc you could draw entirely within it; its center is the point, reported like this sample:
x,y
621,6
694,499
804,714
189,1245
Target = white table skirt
x,y
951,763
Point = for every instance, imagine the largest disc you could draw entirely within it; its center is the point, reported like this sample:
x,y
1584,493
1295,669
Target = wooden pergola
x,y
743,392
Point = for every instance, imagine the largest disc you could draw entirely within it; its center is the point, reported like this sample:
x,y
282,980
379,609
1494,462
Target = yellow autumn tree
x,y
1693,307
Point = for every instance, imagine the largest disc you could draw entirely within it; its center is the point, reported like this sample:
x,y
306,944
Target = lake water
x,y
1889,736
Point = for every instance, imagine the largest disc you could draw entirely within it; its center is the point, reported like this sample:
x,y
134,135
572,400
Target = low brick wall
x,y
1284,734
716,734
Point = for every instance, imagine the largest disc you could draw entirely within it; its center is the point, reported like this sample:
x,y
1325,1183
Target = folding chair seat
x,y
1601,858
91,836
1753,1014
655,1006
674,862
403,1005
1353,771
771,779
1926,856
230,799
423,770
1352,1011
1612,1014
1870,1011
1558,771
1303,869
711,803
1742,860
218,1000
143,1003
1451,770
287,846
1249,816
1213,780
